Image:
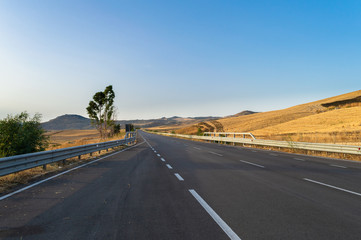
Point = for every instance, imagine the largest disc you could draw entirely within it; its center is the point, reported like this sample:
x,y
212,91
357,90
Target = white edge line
x,y
232,235
169,166
299,159
146,142
252,164
179,177
330,186
62,173
334,165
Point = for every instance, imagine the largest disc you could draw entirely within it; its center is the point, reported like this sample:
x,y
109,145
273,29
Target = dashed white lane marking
x,y
232,235
169,166
216,154
163,160
299,159
257,165
179,177
330,186
197,148
334,165
158,155
62,173
155,151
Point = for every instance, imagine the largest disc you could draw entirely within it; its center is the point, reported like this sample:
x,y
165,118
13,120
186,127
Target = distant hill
x,y
243,113
172,121
68,121
336,119
72,121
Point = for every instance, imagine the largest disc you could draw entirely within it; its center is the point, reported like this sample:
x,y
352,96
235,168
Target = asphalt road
x,y
167,188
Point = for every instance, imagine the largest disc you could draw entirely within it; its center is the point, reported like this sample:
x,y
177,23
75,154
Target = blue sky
x,y
185,58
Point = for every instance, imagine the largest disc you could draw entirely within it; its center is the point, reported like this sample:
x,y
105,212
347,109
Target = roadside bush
x,y
21,134
199,132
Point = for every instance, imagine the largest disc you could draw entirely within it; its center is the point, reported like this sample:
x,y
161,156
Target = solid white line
x,y
216,154
232,235
179,177
162,159
299,159
146,142
330,186
158,155
197,148
62,173
252,164
169,166
333,165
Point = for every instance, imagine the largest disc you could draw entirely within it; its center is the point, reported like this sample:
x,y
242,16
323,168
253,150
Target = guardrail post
x,y
79,157
44,167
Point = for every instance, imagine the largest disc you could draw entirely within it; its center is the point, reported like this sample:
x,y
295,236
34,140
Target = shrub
x,y
21,134
199,132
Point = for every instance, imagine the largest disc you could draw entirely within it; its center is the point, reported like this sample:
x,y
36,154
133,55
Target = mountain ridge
x,y
78,122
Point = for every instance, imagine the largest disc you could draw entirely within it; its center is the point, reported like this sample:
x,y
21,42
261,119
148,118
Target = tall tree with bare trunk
x,y
101,111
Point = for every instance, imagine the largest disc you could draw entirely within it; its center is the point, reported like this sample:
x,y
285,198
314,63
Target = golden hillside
x,y
336,116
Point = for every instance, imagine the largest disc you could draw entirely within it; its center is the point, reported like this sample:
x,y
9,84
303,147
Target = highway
x,y
168,188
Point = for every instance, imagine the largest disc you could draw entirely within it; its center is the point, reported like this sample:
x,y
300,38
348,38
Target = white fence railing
x,y
26,161
322,147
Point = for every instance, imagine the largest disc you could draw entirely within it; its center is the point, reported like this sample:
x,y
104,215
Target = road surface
x,y
168,188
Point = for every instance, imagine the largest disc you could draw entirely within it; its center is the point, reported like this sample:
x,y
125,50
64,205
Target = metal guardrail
x,y
322,147
22,162
225,134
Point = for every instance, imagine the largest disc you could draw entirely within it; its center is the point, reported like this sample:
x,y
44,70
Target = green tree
x,y
101,111
116,128
199,132
21,134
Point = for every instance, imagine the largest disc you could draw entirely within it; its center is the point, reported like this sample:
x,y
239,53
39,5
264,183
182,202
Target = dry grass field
x,y
71,138
58,139
334,120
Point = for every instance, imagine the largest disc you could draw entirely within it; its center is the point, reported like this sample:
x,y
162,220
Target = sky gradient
x,y
184,58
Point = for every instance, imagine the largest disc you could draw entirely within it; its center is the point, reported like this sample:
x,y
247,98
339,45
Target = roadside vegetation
x,y
101,111
57,140
21,134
